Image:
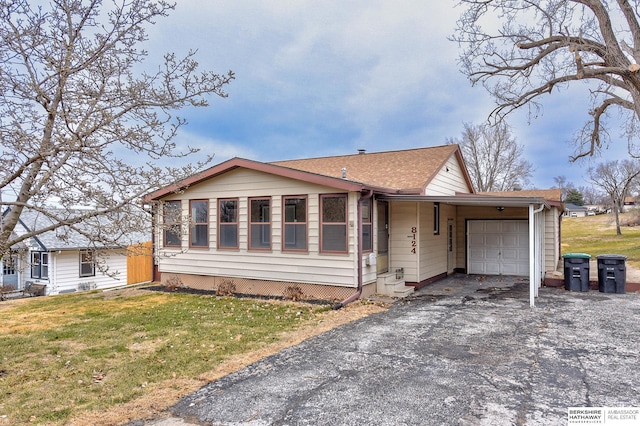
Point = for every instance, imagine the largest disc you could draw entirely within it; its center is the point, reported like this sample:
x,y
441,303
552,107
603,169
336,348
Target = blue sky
x,y
330,77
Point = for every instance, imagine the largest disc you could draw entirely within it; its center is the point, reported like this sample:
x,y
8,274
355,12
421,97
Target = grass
x,y
596,235
62,356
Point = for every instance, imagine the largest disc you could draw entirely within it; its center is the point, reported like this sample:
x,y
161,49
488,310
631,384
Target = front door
x,y
383,237
10,271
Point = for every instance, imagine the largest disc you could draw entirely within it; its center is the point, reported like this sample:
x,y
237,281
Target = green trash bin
x,y
576,271
612,273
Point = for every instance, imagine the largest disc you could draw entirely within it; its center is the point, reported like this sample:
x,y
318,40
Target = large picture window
x,y
259,223
367,225
228,223
87,263
199,230
333,223
39,264
295,223
172,218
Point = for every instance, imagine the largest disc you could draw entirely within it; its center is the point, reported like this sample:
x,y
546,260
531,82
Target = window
x,y
199,231
367,226
333,224
295,223
436,218
39,264
259,223
172,217
228,224
87,263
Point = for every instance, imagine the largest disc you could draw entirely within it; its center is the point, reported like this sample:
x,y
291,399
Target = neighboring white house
x,y
348,226
62,260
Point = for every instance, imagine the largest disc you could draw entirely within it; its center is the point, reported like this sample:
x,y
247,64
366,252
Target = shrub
x,y
227,288
293,293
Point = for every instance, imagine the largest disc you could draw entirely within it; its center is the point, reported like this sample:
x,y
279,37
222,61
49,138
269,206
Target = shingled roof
x,y
403,169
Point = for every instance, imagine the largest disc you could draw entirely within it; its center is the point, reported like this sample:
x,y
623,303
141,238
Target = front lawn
x,y
107,357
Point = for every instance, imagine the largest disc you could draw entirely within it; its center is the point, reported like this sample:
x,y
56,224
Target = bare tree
x,y
616,178
564,185
544,46
80,127
493,157
591,196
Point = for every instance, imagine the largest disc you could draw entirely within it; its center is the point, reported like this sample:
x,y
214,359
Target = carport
x,y
472,209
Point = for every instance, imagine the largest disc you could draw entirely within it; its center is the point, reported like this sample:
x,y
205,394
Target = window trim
x,y
225,224
370,223
267,223
92,263
305,223
345,223
41,255
436,218
167,224
193,224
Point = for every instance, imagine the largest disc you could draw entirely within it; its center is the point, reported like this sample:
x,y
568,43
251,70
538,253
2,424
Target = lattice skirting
x,y
288,290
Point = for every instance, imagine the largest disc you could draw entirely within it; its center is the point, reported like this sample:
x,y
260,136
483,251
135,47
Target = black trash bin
x,y
576,271
612,273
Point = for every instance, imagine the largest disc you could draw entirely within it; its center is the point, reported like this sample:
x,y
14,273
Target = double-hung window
x,y
333,223
39,264
87,263
367,225
259,223
228,223
295,224
172,217
199,230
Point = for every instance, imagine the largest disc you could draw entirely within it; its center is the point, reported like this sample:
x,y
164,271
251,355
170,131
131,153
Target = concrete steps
x,y
389,285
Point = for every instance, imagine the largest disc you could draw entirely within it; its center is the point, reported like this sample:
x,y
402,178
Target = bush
x,y
227,288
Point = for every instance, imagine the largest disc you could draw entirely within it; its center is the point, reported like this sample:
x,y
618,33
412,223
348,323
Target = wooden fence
x,y
139,263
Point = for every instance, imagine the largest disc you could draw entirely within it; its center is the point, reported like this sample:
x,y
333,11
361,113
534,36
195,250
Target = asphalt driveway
x,y
463,351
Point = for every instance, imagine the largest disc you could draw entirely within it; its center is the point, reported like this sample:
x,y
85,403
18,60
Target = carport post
x,y
533,265
532,261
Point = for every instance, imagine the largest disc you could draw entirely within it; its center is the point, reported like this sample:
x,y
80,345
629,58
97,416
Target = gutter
x,y
358,293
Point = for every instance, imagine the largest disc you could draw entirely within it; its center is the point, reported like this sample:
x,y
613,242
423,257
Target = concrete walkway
x,y
463,351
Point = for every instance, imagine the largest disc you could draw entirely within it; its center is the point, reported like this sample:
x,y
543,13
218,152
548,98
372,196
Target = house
x,y
62,260
572,210
347,226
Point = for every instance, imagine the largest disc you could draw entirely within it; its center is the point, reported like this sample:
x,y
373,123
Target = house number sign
x,y
414,242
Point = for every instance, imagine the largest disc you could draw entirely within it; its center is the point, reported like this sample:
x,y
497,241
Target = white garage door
x,y
498,247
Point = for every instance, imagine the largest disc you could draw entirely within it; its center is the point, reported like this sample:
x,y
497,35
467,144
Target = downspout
x,y
358,293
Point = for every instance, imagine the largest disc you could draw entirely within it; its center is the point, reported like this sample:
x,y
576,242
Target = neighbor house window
x,y
259,223
367,225
436,218
333,223
295,223
39,264
172,217
228,223
87,263
199,230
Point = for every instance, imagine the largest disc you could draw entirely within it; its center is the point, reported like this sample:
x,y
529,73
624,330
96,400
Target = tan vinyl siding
x,y
304,267
433,252
404,217
552,240
448,182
